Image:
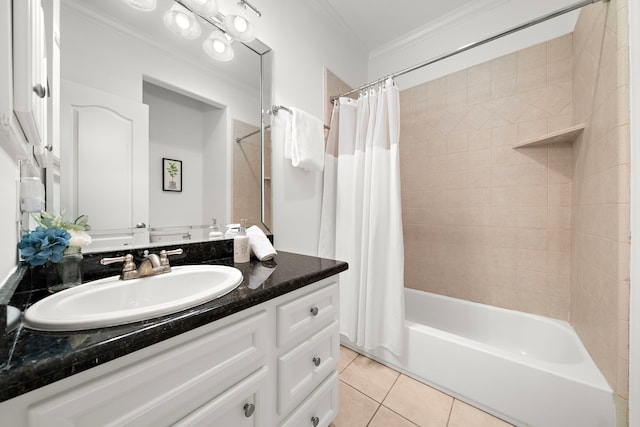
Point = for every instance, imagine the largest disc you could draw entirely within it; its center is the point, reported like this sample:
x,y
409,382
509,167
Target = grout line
x,y
392,385
453,402
374,415
400,415
351,361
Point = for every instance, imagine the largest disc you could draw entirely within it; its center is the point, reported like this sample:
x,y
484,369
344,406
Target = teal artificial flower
x,y
44,244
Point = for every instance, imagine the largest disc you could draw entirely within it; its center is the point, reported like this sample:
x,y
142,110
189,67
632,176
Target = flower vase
x,y
69,269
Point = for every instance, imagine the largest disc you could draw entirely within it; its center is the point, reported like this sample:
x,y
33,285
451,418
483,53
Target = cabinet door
x,y
166,387
104,163
240,406
30,69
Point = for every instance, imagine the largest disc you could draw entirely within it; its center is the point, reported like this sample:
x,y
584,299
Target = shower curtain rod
x,y
467,47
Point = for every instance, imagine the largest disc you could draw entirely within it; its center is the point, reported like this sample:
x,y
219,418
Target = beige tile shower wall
x,y
600,261
246,175
484,221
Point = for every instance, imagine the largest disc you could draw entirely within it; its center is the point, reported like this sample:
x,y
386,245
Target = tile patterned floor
x,y
373,395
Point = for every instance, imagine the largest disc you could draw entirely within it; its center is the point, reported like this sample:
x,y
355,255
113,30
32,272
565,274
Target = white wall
x,y
481,19
177,131
304,42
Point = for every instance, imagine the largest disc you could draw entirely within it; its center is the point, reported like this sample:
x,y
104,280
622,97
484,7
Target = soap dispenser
x,y
215,233
241,244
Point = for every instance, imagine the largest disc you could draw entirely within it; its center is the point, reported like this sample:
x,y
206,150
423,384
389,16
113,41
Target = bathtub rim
x,y
587,362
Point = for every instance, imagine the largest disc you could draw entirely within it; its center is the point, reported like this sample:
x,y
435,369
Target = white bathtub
x,y
528,370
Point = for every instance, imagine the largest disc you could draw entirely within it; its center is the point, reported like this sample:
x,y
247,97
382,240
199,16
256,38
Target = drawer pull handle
x,y
249,408
316,361
315,421
314,311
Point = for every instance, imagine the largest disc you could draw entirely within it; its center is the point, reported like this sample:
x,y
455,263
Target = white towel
x,y
307,141
281,123
260,244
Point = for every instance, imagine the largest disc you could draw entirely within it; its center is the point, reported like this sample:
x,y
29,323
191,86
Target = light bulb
x,y
219,46
239,27
240,24
182,21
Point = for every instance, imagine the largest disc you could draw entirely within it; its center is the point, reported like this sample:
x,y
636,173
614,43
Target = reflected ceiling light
x,y
239,27
182,22
144,5
218,46
208,8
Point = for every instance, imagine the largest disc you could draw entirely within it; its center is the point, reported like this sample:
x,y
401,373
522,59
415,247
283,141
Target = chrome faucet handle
x,y
164,256
128,267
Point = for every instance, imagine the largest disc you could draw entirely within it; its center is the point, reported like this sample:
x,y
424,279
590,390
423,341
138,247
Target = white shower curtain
x,y
362,217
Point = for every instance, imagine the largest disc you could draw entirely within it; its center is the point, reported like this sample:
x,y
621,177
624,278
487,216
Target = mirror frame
x,y
266,69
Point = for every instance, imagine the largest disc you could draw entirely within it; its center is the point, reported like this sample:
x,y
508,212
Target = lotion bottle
x,y
215,233
241,244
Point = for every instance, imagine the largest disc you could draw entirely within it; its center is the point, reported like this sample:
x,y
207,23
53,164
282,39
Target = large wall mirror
x,y
156,137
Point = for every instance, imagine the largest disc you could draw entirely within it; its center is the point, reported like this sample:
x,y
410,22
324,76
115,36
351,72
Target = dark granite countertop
x,y
31,359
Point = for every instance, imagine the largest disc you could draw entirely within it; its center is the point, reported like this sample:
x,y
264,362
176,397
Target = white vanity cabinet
x,y
269,365
30,84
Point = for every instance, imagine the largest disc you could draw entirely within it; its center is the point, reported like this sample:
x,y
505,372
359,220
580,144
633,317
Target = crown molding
x,y
454,18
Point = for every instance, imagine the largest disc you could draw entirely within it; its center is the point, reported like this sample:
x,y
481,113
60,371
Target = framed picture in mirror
x,y
171,175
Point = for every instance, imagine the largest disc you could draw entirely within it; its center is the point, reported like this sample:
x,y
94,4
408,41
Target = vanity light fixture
x,y
208,8
218,46
144,5
182,22
239,27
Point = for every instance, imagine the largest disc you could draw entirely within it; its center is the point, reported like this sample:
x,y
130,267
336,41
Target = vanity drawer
x,y
320,409
306,315
163,388
241,406
304,367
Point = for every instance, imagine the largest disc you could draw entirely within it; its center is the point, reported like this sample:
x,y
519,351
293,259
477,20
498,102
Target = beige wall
x,y
482,220
246,175
600,241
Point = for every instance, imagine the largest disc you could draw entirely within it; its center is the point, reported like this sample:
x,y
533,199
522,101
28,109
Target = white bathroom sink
x,y
110,301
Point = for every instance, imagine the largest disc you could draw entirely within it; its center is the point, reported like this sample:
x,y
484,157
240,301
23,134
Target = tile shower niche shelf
x,y
569,134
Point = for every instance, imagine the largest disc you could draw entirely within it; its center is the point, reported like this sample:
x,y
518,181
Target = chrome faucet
x,y
151,265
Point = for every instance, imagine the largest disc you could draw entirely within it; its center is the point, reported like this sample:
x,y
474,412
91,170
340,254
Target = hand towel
x,y
307,141
281,123
260,244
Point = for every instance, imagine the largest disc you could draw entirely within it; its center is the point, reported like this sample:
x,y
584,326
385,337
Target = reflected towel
x,y
260,244
259,274
307,141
